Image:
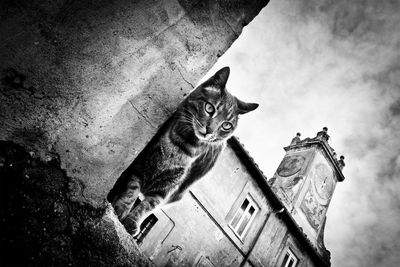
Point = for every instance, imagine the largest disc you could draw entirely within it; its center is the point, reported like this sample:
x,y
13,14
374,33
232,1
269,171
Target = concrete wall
x,y
197,227
86,84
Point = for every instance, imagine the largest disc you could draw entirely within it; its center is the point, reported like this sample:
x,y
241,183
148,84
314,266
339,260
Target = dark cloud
x,y
335,63
395,108
362,19
392,168
369,33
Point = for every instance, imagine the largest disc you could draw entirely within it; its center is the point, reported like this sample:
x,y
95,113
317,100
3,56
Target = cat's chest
x,y
173,155
165,155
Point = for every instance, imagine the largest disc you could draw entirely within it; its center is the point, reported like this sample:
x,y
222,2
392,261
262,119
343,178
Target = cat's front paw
x,y
121,211
131,226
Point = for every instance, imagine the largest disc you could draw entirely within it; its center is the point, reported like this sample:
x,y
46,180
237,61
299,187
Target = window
x,y
145,228
290,260
243,217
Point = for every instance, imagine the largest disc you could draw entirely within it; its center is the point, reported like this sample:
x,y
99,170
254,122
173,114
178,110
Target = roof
x,y
261,179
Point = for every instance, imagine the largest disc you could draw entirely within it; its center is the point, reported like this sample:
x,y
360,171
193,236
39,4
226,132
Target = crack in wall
x,y
142,115
184,77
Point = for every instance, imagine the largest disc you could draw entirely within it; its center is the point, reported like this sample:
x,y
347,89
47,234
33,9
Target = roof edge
x,y
321,260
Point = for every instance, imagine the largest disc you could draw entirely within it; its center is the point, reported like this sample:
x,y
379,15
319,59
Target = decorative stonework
x,y
305,181
289,175
321,139
312,209
291,165
323,182
89,84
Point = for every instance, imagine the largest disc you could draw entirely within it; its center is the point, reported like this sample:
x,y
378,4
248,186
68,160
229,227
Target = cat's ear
x,y
219,79
244,107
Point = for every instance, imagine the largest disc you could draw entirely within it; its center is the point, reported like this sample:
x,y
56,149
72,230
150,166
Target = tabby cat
x,y
184,150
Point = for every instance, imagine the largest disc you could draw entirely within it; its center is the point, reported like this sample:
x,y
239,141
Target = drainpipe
x,y
246,258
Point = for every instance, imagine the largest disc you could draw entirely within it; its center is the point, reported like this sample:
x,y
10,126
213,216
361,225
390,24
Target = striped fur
x,y
184,150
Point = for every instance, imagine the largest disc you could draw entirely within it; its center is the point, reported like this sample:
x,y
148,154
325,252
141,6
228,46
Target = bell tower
x,y
305,181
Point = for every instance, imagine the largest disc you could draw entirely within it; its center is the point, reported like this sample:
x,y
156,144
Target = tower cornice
x,y
320,140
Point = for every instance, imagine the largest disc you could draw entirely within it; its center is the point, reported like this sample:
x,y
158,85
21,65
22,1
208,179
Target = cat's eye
x,y
209,108
227,126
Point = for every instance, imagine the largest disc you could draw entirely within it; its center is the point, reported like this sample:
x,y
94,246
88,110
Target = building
x,y
234,217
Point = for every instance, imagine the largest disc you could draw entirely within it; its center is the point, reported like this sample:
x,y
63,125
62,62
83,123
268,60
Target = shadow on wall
x,y
67,69
39,226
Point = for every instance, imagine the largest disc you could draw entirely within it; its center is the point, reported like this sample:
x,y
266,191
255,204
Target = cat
x,y
185,148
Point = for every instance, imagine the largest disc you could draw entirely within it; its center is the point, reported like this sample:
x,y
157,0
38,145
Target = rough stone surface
x,y
88,83
40,227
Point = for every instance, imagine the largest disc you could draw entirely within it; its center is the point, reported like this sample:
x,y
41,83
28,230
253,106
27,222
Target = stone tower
x,y
305,181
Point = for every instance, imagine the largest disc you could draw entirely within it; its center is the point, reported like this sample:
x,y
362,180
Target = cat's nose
x,y
203,131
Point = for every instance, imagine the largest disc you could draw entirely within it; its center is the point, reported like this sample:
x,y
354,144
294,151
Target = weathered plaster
x,y
89,82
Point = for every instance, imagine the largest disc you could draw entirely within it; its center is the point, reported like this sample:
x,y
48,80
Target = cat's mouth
x,y
205,137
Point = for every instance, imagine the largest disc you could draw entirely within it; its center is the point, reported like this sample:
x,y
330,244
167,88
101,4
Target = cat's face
x,y
211,112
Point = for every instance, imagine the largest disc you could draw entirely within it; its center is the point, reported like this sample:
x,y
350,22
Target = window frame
x,y
292,255
235,229
145,228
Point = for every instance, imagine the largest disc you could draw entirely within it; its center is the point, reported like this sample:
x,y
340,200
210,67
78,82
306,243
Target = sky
x,y
311,64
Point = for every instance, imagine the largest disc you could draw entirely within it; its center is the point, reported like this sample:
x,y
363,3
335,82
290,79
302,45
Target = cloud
x,y
314,63
364,36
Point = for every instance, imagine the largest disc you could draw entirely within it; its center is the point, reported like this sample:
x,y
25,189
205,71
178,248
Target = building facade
x,y
235,217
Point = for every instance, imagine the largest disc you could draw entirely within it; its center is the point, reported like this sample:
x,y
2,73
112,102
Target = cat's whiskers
x,y
186,111
179,155
185,116
185,127
188,114
184,120
192,119
198,123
